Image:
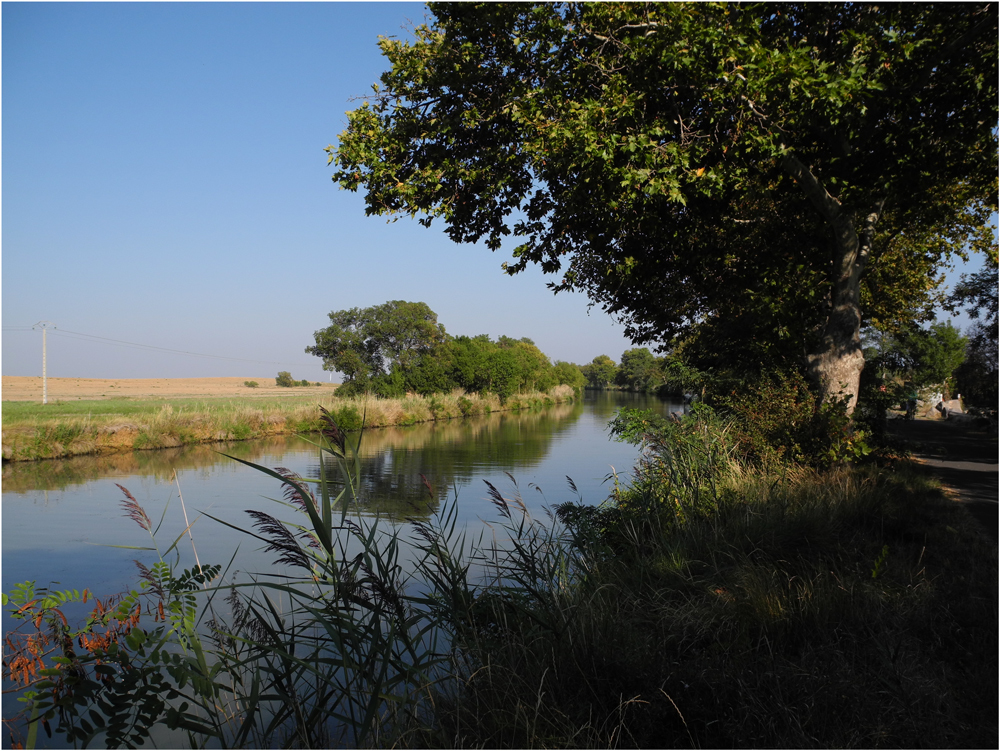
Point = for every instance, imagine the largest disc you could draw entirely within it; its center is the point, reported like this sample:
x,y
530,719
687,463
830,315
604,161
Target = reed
x,y
741,606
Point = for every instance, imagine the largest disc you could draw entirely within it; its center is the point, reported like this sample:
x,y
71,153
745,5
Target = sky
x,y
164,184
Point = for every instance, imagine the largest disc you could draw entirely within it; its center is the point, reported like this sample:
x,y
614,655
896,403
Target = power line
x,y
135,345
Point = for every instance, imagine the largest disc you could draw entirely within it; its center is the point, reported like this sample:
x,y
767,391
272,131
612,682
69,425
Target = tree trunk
x,y
837,364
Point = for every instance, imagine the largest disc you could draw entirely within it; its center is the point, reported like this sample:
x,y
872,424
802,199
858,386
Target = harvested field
x,y
29,388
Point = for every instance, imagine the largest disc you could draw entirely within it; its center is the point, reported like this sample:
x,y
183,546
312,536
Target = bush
x,y
389,385
778,416
347,418
569,374
251,384
438,408
351,388
284,379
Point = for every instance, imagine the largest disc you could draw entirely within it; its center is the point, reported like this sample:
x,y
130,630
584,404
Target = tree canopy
x,y
399,346
600,372
638,370
924,356
978,376
779,173
363,343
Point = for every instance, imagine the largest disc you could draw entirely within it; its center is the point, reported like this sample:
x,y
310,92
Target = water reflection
x,y
60,515
56,511
396,462
486,437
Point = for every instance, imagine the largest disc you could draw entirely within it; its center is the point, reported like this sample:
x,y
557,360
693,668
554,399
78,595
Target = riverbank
x,y
713,603
59,429
721,604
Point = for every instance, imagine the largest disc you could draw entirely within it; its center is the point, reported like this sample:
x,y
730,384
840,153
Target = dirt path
x,y
962,456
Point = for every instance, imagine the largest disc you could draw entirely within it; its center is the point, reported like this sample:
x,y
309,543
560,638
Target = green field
x,y
18,412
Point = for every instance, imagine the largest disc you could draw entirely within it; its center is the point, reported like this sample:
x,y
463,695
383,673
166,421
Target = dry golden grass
x,y
70,428
29,388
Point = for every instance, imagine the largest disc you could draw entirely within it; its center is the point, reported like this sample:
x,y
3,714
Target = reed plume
x,y
280,540
427,485
134,511
497,499
292,494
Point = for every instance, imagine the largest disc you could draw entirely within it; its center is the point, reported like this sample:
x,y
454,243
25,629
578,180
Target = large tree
x,y
789,169
639,370
364,343
600,372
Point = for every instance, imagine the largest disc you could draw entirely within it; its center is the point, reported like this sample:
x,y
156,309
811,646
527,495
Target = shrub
x,y
348,418
251,384
389,385
284,379
778,416
351,388
438,408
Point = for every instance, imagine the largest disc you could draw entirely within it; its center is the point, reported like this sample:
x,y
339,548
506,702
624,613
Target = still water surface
x,y
60,516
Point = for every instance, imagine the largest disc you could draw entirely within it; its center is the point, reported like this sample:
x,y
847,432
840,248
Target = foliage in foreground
x,y
707,604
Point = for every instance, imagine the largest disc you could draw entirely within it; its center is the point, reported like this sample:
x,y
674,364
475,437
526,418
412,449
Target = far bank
x,y
70,428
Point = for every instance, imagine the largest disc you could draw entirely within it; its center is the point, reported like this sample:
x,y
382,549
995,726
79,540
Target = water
x,y
61,517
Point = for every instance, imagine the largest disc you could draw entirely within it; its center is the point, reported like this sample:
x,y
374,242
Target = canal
x,y
61,517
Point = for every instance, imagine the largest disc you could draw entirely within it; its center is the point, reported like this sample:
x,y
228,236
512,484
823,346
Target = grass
x,y
719,605
32,431
712,603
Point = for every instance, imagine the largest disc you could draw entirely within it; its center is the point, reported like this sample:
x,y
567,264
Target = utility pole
x,y
44,326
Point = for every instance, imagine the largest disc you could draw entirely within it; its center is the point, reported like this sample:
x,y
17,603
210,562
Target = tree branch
x,y
868,235
831,209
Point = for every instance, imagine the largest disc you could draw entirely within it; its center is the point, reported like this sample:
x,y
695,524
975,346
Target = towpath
x,y
963,456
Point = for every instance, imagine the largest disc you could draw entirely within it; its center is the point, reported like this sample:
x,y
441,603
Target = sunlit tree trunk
x,y
836,365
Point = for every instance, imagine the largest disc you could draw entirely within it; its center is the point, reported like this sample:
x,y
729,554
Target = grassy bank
x,y
711,604
718,605
63,429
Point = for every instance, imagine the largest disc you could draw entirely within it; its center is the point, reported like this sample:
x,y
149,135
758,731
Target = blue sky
x,y
164,183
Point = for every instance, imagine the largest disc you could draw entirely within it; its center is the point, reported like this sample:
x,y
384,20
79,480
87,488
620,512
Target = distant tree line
x,y
640,370
285,380
399,347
